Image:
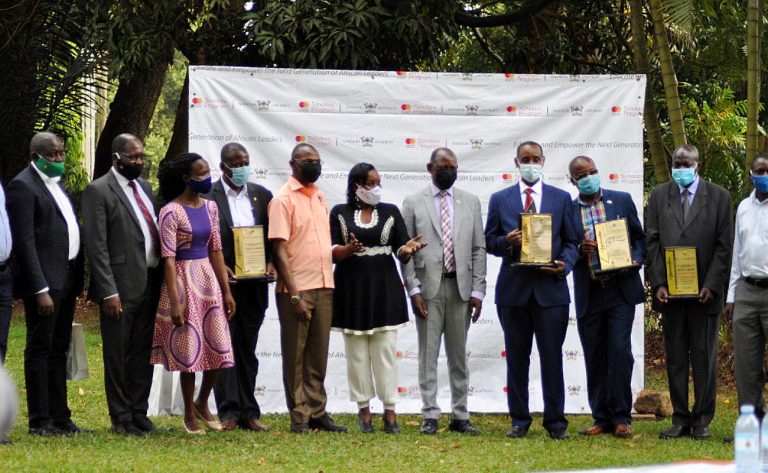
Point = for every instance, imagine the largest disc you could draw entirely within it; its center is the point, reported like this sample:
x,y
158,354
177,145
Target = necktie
x,y
445,225
147,217
686,204
530,205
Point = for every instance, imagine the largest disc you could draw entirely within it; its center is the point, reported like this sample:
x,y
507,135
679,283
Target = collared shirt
x,y
692,188
5,230
153,257
590,215
750,258
438,199
299,215
536,194
65,206
239,206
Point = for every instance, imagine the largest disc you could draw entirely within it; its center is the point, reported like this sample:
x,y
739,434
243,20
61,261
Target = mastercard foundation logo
x,y
405,107
504,354
615,109
300,139
410,141
402,390
508,75
508,177
399,354
506,389
614,177
511,109
401,73
197,100
303,105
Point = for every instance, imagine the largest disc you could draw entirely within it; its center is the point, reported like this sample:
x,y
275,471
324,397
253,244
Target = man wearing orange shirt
x,y
301,237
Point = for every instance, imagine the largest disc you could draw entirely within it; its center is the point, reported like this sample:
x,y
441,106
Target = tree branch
x,y
530,7
488,50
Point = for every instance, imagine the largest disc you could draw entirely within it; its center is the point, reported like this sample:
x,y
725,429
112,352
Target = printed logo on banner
x,y
616,110
626,178
523,77
315,140
509,178
575,110
209,103
318,106
419,109
526,110
477,143
512,109
410,392
370,107
466,76
574,390
415,75
263,105
260,173
407,355
260,390
474,143
571,355
366,141
572,319
472,109
423,143
632,111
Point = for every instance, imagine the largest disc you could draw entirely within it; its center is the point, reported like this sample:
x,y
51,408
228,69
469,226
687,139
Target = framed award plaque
x,y
536,249
613,247
682,272
250,254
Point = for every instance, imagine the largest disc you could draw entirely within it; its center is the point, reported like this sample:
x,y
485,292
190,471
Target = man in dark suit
x,y
605,305
241,204
121,238
533,301
48,275
690,211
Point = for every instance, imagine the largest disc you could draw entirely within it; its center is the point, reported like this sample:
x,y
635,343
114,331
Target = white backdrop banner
x,y
394,120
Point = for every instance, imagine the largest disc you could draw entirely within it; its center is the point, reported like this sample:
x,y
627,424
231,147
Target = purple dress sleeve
x,y
214,242
168,222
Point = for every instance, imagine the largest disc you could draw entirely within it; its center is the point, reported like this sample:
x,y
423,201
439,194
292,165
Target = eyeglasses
x,y
760,172
583,175
134,157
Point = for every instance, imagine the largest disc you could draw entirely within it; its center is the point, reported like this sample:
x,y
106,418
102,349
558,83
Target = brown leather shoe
x,y
622,431
229,424
255,425
593,431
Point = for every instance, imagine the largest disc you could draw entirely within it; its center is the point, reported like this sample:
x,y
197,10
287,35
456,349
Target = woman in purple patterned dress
x,y
191,331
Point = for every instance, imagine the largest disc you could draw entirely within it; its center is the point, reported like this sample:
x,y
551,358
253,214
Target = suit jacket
x,y
114,240
259,197
515,284
709,228
426,267
617,205
40,238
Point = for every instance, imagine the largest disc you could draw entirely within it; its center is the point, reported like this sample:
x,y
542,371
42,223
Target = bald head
x,y
43,143
123,141
578,163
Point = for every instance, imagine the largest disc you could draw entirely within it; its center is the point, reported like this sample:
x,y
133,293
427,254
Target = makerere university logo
x,y
477,143
472,109
370,107
263,105
366,141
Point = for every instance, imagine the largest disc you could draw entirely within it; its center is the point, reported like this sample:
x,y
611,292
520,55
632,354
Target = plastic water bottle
x,y
746,441
764,446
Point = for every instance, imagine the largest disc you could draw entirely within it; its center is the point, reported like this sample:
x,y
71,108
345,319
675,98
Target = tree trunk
x,y
668,77
180,139
650,115
754,30
132,109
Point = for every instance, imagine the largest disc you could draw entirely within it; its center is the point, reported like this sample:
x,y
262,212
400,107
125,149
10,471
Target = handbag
x,y
77,355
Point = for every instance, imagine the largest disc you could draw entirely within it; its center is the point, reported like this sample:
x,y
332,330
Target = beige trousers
x,y
372,357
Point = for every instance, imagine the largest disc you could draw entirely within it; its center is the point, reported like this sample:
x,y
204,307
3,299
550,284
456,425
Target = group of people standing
x,y
168,295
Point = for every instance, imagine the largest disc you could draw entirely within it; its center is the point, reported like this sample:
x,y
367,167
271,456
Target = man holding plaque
x,y
747,299
533,300
606,296
695,214
300,232
242,205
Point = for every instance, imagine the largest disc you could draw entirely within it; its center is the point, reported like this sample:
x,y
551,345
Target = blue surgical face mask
x,y
589,185
240,175
531,172
202,186
760,182
684,176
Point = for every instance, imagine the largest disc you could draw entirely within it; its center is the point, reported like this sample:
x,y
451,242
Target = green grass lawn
x,y
279,450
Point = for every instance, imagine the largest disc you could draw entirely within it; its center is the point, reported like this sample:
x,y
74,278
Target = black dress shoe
x,y
143,423
429,427
127,428
69,427
366,427
298,428
47,430
675,432
560,434
463,427
700,432
391,427
517,432
327,424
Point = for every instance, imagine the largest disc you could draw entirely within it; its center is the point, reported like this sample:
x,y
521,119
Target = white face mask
x,y
369,196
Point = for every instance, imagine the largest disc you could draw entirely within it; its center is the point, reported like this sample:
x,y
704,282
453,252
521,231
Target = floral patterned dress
x,y
203,342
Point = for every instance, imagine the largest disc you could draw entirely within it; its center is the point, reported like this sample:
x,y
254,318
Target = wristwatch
x,y
296,299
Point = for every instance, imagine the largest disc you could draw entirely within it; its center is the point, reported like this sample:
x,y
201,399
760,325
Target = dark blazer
x,y
709,228
515,284
260,198
617,205
114,240
40,238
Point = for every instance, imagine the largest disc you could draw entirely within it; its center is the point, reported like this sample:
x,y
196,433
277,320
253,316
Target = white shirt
x,y
750,258
438,199
65,206
152,254
239,206
536,194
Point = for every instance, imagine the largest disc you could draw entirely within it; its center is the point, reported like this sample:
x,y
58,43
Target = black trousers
x,y
6,309
126,347
234,391
691,336
548,325
45,356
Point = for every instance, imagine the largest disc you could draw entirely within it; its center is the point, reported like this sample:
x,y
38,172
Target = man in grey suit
x,y
446,282
690,211
123,246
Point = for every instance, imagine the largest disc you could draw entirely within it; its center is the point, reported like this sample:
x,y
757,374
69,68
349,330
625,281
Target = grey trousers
x,y
447,314
750,328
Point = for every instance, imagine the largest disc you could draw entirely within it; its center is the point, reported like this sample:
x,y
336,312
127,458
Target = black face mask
x,y
310,171
445,177
128,170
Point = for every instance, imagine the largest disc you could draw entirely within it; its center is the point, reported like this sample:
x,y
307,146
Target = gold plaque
x,y
682,271
613,246
250,255
536,249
